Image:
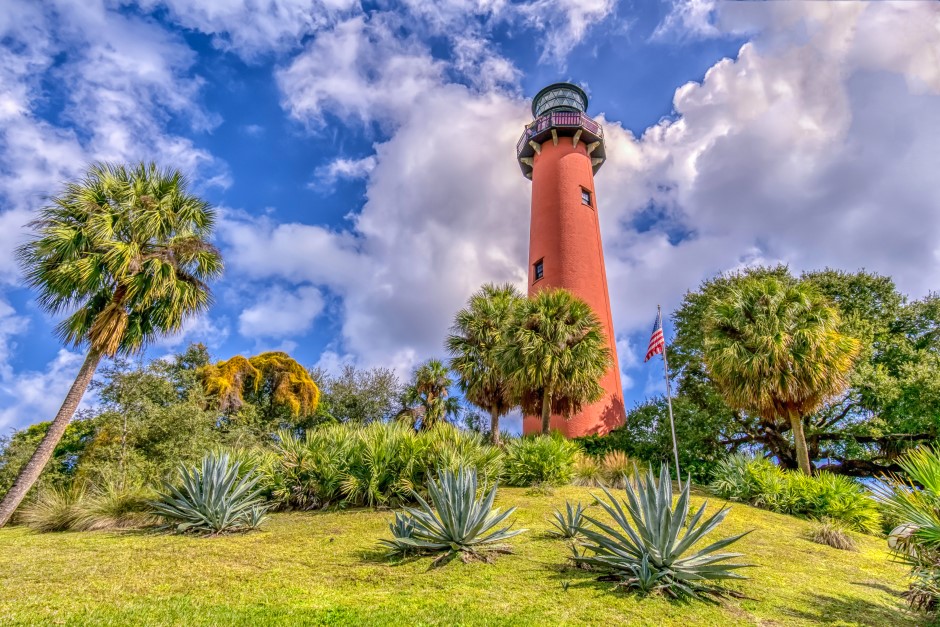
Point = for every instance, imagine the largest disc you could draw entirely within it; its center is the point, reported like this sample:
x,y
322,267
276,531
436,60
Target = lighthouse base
x,y
598,418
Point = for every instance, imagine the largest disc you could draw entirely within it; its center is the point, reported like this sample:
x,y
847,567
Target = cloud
x,y
252,130
11,325
250,28
121,78
281,313
486,70
359,71
564,23
693,19
204,329
811,148
438,221
81,82
32,396
342,169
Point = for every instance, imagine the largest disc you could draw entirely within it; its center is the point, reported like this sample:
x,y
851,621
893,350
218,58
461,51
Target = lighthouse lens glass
x,y
561,99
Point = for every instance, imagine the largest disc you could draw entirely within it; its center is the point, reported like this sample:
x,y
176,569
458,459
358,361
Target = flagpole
x,y
672,424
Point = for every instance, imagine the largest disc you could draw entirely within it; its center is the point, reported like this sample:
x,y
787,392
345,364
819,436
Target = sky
x,y
361,155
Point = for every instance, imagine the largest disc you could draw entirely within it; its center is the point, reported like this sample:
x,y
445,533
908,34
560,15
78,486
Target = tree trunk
x,y
43,454
799,442
546,410
494,426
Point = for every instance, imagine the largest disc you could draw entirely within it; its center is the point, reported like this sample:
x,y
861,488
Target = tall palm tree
x,y
774,348
555,354
125,253
476,337
428,398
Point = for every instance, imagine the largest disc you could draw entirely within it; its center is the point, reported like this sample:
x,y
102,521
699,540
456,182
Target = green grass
x,y
326,569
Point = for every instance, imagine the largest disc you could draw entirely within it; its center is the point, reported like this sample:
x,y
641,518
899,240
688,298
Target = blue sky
x,y
361,154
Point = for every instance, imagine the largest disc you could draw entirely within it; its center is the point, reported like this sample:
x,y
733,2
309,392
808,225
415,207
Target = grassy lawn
x,y
325,569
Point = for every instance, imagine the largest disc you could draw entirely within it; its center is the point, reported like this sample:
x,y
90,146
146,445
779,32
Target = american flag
x,y
657,341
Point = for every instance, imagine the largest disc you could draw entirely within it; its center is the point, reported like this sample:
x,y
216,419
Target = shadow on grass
x,y
570,577
831,609
877,585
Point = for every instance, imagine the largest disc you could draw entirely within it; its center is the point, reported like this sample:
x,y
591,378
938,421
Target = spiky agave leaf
x,y
569,522
458,522
213,498
402,529
646,546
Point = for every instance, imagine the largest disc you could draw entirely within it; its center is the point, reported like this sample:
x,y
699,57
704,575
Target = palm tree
x,y
125,252
476,337
427,398
554,355
774,348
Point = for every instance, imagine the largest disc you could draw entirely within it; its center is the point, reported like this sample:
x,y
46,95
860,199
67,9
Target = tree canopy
x,y
273,383
426,401
125,253
476,339
891,401
774,349
554,355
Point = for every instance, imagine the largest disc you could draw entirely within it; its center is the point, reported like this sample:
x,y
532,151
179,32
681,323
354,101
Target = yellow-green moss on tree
x,y
273,381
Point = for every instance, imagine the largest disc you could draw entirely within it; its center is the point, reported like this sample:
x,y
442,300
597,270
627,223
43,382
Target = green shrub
x,y
305,472
842,499
735,478
540,460
762,484
458,523
385,463
214,498
378,464
53,509
647,437
649,545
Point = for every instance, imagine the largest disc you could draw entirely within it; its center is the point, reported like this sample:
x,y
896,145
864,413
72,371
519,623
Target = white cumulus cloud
x,y
280,313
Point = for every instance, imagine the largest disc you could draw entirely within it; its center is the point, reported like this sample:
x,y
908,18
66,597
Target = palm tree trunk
x,y
494,426
799,442
43,454
546,410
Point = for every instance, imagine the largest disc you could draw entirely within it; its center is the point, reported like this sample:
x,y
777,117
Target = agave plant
x,y
648,546
214,498
458,523
568,523
403,531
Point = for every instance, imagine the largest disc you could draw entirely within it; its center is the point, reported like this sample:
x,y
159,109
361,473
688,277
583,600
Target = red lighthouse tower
x,y
560,152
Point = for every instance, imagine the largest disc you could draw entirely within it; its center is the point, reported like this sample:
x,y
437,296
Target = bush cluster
x,y
763,484
378,464
540,460
374,465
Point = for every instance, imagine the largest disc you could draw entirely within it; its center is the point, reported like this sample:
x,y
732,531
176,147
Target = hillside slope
x,y
325,569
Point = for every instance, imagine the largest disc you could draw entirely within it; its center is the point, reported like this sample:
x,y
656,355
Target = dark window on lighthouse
x,y
539,270
586,197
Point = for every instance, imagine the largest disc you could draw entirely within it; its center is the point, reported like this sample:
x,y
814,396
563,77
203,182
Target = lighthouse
x,y
560,151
